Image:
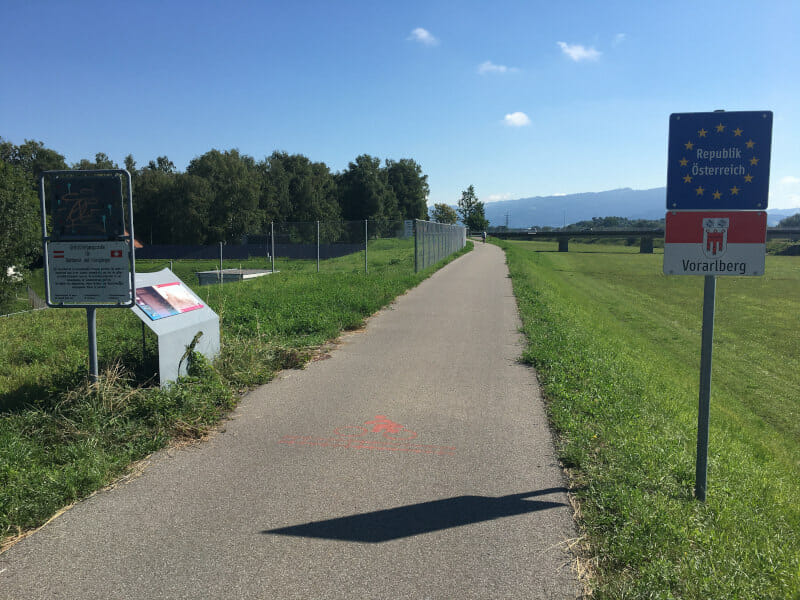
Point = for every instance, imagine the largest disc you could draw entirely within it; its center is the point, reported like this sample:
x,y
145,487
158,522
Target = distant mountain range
x,y
557,211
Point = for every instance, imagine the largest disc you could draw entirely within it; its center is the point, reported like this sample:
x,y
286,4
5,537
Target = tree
x,y
442,213
20,224
296,189
32,157
101,161
410,186
793,221
471,211
152,205
365,193
234,181
163,164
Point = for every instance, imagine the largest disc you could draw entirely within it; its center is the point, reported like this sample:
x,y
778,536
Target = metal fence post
x,y
317,246
366,243
416,245
272,243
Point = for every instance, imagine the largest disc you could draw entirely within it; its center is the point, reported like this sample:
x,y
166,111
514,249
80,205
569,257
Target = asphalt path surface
x,y
414,461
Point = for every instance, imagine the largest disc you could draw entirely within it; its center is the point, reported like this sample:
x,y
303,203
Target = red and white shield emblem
x,y
715,237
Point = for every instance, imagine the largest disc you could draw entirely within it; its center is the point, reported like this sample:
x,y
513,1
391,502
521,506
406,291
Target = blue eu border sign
x,y
719,160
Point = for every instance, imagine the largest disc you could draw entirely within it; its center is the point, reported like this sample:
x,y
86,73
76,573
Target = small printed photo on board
x,y
165,300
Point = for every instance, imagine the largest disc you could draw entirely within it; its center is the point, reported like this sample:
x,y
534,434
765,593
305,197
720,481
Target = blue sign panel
x,y
719,160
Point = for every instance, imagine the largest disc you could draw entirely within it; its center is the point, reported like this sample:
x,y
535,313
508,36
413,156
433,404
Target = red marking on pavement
x,y
393,437
384,424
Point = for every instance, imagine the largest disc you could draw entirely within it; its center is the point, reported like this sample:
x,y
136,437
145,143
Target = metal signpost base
x,y
91,323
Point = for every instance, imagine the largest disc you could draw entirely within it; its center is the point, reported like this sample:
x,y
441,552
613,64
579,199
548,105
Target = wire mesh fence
x,y
435,241
321,247
324,246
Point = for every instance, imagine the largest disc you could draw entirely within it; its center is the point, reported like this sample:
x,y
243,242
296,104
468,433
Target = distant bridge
x,y
646,236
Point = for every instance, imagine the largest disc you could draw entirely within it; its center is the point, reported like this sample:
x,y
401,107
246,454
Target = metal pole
x,y
366,243
317,246
91,322
701,471
220,262
416,245
272,242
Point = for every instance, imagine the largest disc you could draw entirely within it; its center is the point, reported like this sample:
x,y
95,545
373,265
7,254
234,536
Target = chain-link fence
x,y
435,241
310,246
338,246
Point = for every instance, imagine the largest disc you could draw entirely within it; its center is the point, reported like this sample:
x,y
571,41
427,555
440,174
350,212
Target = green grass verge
x,y
617,346
62,438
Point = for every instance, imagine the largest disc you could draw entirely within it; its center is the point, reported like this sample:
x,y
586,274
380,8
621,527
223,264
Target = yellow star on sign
x,y
750,144
735,190
684,162
699,190
720,128
702,132
748,178
737,132
717,195
754,161
687,179
688,145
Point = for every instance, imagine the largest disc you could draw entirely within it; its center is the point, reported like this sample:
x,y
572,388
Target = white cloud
x,y
517,119
618,39
423,36
578,53
490,67
498,197
789,179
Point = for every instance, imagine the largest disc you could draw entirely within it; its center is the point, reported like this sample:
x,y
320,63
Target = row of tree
x,y
470,211
224,195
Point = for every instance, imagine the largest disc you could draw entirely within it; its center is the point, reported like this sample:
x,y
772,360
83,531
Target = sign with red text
x,y
715,243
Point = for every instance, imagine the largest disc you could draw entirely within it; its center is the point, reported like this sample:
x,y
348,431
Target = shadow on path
x,y
405,521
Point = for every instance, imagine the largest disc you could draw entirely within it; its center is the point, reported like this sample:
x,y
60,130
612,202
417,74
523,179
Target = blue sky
x,y
517,98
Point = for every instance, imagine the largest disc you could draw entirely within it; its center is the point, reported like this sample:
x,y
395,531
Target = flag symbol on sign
x,y
715,237
116,254
58,254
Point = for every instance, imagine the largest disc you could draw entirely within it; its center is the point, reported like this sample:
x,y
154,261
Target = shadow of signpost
x,y
426,517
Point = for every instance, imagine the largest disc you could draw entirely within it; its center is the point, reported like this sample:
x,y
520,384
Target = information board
x,y
87,207
719,160
87,237
89,273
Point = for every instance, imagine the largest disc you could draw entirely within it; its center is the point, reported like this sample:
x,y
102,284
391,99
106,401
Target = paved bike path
x,y
414,462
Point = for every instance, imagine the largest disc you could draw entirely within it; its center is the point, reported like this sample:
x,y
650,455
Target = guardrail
x,y
646,236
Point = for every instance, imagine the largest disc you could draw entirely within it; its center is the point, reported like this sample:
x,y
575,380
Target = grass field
x,y
617,347
61,438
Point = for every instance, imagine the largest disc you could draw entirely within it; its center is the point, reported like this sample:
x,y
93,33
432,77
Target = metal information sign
x,y
715,243
88,248
89,273
719,160
717,190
